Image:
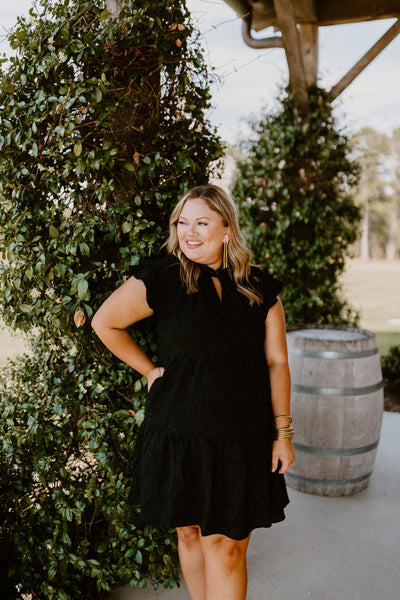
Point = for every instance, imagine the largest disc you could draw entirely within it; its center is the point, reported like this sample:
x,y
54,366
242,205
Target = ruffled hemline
x,y
223,484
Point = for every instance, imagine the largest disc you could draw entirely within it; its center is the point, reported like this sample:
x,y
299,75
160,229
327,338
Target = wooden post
x,y
366,59
309,48
287,24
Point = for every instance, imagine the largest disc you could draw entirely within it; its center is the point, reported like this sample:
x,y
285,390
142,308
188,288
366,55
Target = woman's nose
x,y
192,228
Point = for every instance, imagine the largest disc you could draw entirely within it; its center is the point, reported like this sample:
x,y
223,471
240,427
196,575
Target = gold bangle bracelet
x,y
285,433
284,417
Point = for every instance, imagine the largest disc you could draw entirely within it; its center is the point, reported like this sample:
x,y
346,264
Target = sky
x,y
248,80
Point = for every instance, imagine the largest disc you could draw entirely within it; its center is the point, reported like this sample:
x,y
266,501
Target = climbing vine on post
x,y
294,189
102,128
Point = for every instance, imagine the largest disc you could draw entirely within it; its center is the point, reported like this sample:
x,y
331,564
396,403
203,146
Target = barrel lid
x,y
332,332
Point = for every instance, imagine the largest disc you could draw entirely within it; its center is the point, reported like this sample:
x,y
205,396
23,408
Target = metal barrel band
x,y
335,451
327,391
313,481
333,354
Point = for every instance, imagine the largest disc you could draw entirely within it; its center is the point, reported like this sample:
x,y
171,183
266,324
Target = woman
x,y
205,460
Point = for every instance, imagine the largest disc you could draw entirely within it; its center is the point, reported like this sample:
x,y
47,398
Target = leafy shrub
x,y
294,191
391,364
102,128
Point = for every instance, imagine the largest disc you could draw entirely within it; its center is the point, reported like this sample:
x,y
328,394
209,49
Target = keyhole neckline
x,y
214,272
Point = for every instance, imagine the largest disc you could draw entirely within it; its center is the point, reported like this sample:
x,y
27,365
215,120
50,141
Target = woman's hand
x,y
282,450
154,374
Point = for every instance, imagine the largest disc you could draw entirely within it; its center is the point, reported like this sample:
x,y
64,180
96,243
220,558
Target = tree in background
x,y
392,248
378,192
371,150
294,189
102,128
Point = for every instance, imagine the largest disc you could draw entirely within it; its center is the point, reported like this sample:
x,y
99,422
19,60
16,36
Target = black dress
x,y
203,453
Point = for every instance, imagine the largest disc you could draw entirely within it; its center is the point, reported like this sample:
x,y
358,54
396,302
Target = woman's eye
x,y
202,223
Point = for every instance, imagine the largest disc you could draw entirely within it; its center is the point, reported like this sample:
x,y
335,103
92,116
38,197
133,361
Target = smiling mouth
x,y
192,245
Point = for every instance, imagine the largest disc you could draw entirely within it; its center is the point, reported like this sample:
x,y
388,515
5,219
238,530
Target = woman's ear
x,y
227,237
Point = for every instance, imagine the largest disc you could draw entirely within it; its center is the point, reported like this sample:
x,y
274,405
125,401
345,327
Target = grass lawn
x,y
373,288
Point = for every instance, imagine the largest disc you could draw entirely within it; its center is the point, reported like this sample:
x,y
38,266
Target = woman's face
x,y
201,233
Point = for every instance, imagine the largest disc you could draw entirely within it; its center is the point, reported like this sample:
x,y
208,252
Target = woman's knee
x,y
224,549
188,536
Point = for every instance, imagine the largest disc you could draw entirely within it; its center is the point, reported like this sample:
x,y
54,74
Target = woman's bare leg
x,y
225,567
192,561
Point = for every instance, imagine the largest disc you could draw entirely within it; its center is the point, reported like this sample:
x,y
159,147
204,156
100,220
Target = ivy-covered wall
x,y
102,128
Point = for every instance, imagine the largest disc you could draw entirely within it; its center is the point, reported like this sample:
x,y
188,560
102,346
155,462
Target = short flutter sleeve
x,y
269,287
150,270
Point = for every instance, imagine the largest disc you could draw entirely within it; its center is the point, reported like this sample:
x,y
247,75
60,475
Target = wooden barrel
x,y
337,407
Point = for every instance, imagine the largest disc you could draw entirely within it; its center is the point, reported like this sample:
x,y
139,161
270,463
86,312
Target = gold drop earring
x,y
225,254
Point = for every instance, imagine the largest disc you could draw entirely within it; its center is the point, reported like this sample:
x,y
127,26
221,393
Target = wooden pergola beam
x,y
366,59
309,48
336,12
319,12
291,41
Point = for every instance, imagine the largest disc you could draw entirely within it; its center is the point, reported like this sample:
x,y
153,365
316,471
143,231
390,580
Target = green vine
x,y
294,192
102,128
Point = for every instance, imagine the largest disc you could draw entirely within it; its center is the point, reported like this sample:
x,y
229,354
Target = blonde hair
x,y
238,252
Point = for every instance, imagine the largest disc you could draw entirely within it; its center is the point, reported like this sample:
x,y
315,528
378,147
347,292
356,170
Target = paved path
x,y
344,548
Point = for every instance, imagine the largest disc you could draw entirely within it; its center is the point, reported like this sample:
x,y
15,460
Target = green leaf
x,y
78,148
84,248
59,130
129,167
81,166
83,287
97,96
127,226
69,516
26,308
88,310
53,232
147,160
139,417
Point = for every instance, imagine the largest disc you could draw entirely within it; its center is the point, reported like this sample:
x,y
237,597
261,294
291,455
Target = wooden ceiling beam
x,y
264,14
322,12
368,57
291,41
336,12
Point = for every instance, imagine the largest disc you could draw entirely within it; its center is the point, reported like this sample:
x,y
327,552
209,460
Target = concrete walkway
x,y
344,548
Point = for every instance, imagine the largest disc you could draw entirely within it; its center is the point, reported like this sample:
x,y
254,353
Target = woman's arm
x,y
277,360
125,306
